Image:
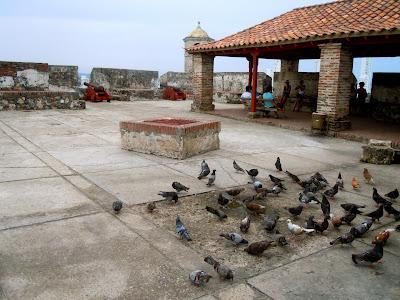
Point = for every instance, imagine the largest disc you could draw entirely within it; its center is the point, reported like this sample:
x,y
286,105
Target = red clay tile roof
x,y
318,22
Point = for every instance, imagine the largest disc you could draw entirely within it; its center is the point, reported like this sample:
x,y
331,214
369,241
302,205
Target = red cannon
x,y
96,93
172,93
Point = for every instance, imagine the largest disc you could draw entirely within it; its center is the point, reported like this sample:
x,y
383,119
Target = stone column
x,y
334,86
291,65
203,70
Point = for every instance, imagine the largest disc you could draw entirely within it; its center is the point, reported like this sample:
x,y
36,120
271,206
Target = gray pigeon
x,y
330,194
326,207
179,187
169,196
237,167
234,237
117,206
181,230
222,270
205,170
211,179
308,197
199,277
269,222
363,227
252,173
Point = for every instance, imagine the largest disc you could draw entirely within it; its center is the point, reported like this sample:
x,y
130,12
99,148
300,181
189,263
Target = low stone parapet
x,y
39,100
171,137
378,152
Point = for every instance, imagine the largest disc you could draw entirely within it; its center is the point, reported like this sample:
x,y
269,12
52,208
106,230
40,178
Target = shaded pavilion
x,y
335,33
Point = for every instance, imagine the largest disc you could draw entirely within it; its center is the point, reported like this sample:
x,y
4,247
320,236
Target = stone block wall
x,y
178,80
38,100
227,86
385,97
63,78
124,79
24,76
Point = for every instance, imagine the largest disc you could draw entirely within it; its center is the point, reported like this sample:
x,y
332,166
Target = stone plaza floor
x,y
61,170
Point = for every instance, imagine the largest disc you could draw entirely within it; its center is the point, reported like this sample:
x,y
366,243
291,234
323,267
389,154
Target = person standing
x,y
301,91
286,92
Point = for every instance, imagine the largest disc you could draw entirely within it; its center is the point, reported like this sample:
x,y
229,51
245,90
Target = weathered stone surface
x,y
38,100
380,155
330,274
63,78
179,141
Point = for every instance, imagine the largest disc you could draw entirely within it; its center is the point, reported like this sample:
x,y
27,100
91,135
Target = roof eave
x,y
322,38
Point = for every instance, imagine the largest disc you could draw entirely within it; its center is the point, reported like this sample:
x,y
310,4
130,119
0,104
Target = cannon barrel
x,y
88,84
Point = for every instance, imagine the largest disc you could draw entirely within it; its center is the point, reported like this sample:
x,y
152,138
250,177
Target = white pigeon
x,y
296,229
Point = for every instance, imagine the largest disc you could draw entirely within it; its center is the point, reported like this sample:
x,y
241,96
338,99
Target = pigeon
x,y
179,187
346,238
257,248
280,239
274,179
330,194
376,214
355,184
170,196
368,177
295,211
372,255
276,190
392,211
311,188
117,206
348,217
255,207
325,207
245,224
378,198
205,170
234,237
393,194
219,213
321,227
211,179
383,236
340,182
256,184
308,197
269,222
252,173
222,270
235,191
318,176
181,230
237,167
294,177
199,278
352,207
310,222
278,165
280,184
398,228
224,199
362,228
151,206
296,229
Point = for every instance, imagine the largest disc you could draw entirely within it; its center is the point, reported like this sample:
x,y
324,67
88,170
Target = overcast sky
x,y
143,35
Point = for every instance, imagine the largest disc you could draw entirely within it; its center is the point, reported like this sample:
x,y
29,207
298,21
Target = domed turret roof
x,y
198,32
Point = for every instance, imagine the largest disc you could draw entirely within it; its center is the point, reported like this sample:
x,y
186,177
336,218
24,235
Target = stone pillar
x,y
291,65
203,70
334,87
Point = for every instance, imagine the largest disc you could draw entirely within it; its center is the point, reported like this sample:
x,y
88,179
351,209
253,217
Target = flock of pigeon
x,y
311,188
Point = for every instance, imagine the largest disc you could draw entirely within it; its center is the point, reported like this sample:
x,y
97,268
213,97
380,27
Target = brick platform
x,y
170,137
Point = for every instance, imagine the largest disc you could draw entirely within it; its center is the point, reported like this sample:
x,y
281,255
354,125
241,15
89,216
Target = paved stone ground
x,y
61,170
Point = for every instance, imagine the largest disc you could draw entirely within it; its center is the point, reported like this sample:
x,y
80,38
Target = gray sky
x,y
133,34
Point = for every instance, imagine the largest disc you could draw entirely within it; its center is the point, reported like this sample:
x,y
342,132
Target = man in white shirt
x,y
246,96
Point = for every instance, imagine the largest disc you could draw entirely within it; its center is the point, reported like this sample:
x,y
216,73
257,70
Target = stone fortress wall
x,y
31,86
